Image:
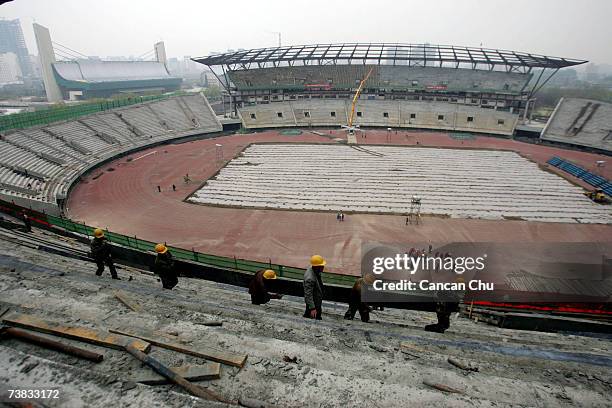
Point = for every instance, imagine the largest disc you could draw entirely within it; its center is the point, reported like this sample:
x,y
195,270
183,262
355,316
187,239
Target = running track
x,y
126,201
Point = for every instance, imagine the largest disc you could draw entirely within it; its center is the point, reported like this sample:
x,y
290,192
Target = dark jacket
x,y
100,249
258,291
355,296
313,289
164,265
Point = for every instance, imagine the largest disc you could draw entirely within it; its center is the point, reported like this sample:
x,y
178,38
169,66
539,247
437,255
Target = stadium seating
x,y
579,172
404,114
386,77
39,164
172,114
581,122
202,111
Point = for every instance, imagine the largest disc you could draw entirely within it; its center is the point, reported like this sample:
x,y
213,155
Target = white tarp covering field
x,y
382,179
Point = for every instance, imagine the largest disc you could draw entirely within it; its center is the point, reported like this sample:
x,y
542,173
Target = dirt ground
x,y
126,200
339,363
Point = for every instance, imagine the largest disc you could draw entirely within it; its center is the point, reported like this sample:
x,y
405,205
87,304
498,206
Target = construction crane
x,y
351,129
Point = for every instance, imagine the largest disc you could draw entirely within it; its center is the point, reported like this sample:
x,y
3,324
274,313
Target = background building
x,y
91,77
10,72
11,40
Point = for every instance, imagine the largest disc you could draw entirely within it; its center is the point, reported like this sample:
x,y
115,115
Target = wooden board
x,y
236,360
123,298
208,371
85,334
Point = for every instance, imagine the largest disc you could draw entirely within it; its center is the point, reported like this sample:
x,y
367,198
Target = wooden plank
x,y
85,334
161,369
236,360
123,298
50,344
442,387
208,371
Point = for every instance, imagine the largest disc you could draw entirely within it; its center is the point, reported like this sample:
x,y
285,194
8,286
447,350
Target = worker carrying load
x,y
258,287
313,288
355,300
165,267
101,253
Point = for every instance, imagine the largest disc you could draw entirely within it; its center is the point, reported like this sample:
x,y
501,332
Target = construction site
x,y
211,334
158,249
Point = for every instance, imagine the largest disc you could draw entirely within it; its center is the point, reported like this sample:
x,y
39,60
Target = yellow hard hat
x,y
269,274
161,249
98,233
317,260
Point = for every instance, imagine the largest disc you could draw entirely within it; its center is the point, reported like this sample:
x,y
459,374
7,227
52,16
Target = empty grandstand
x,y
396,114
485,80
581,122
38,165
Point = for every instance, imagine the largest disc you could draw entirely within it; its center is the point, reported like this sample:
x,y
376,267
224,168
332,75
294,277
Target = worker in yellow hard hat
x,y
258,288
313,287
165,267
356,303
101,252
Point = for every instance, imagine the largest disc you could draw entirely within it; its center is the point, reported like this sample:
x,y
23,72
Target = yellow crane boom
x,y
356,97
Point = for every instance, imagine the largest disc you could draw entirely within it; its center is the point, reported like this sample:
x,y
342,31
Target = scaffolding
x,y
414,217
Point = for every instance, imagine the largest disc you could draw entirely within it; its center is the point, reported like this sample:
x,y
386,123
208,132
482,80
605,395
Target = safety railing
x,y
243,265
47,116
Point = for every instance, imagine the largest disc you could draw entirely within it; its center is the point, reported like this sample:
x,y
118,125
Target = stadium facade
x,y
484,80
85,79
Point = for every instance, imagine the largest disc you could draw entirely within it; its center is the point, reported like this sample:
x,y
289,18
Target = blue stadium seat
x,y
592,179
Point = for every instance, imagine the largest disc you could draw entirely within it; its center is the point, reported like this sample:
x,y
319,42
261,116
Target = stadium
x,y
412,143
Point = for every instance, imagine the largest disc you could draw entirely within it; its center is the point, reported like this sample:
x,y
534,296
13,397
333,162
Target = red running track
x,y
126,201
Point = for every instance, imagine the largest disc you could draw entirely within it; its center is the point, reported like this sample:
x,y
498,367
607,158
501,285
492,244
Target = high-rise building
x,y
10,72
11,40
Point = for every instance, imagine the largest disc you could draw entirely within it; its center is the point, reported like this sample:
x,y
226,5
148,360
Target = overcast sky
x,y
565,28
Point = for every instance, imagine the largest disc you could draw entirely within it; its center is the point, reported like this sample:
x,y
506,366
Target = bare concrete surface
x,y
338,363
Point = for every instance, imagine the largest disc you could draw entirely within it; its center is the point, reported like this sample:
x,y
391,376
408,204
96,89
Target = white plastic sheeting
x,y
459,183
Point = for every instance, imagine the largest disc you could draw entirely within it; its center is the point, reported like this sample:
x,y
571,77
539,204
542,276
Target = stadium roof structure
x,y
381,53
107,71
100,75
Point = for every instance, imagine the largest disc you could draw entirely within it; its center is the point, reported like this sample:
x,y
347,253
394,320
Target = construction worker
x,y
443,312
101,253
446,303
355,302
164,267
27,223
313,287
258,290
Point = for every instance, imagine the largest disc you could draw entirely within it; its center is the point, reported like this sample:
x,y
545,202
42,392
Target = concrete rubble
x,y
292,362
